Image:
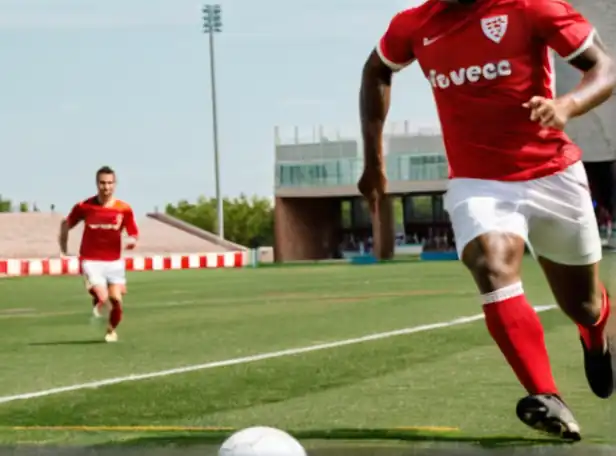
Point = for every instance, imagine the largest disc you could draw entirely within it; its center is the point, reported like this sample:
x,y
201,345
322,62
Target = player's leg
x,y
116,279
566,238
116,312
96,284
580,293
490,230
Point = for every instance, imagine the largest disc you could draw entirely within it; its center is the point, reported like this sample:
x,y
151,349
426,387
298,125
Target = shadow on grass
x,y
322,263
67,342
349,436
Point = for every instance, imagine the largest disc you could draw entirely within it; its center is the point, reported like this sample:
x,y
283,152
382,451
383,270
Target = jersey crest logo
x,y
494,27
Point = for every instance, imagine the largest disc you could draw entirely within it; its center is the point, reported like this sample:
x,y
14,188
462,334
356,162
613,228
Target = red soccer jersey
x,y
103,227
483,62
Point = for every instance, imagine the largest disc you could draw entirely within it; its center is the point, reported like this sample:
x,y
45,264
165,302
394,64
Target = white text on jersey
x,y
470,74
108,226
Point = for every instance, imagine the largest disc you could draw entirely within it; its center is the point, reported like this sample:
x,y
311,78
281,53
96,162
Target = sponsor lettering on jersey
x,y
470,75
108,226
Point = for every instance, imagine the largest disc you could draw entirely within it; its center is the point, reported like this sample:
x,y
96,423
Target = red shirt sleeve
x,y
76,215
396,47
561,27
130,224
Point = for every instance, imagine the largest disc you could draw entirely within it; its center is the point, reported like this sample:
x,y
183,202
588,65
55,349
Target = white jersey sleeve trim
x,y
392,65
583,47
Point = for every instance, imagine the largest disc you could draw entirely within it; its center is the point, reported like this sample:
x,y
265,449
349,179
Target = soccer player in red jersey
x,y
105,218
515,176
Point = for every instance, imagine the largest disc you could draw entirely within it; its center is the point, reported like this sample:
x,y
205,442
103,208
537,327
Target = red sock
x,y
115,316
516,329
593,335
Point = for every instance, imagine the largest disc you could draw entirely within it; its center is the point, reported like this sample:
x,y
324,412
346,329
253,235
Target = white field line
x,y
252,358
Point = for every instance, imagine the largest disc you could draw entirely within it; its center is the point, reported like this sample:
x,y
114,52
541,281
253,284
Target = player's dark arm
x,y
63,236
132,230
374,98
598,81
73,218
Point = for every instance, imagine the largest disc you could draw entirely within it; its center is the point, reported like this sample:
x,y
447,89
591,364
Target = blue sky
x,y
126,83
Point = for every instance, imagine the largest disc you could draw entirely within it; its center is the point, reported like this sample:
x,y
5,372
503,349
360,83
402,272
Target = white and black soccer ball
x,y
261,441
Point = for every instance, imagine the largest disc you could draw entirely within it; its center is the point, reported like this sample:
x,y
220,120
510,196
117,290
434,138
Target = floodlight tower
x,y
212,24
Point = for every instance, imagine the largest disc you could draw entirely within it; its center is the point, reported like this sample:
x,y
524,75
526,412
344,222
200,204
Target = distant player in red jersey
x,y
105,218
515,176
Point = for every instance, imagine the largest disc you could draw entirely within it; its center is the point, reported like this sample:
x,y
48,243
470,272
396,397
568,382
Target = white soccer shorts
x,y
553,214
103,273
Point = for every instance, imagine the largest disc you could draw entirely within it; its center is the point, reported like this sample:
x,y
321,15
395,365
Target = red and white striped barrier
x,y
71,266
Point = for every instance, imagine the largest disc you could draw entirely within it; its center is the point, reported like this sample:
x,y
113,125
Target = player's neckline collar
x,y
109,203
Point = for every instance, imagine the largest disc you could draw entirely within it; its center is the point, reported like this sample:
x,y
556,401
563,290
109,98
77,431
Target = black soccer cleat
x,y
600,368
548,414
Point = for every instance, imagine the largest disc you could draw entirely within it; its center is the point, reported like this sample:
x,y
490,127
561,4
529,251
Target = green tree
x,y
5,205
398,214
245,218
23,207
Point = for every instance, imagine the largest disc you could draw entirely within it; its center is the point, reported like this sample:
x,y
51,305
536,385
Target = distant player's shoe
x,y
600,368
111,336
100,311
549,414
96,318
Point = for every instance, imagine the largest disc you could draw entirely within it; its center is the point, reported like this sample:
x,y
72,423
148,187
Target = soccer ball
x,y
261,441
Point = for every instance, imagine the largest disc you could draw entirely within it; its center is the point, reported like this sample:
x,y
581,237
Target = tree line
x,y
6,205
246,220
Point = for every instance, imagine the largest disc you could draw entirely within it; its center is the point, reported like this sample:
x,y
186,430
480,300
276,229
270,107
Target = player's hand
x,y
372,184
131,244
549,112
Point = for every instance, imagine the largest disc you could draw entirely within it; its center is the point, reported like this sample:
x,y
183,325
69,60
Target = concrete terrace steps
x,y
34,235
195,231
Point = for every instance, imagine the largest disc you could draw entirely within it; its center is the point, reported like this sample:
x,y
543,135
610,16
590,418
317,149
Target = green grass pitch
x,y
442,384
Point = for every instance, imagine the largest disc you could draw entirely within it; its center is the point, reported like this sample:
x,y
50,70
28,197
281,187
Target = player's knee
x,y
116,292
115,297
99,293
494,260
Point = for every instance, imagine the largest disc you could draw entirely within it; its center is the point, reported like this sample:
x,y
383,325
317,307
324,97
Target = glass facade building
x,y
346,171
